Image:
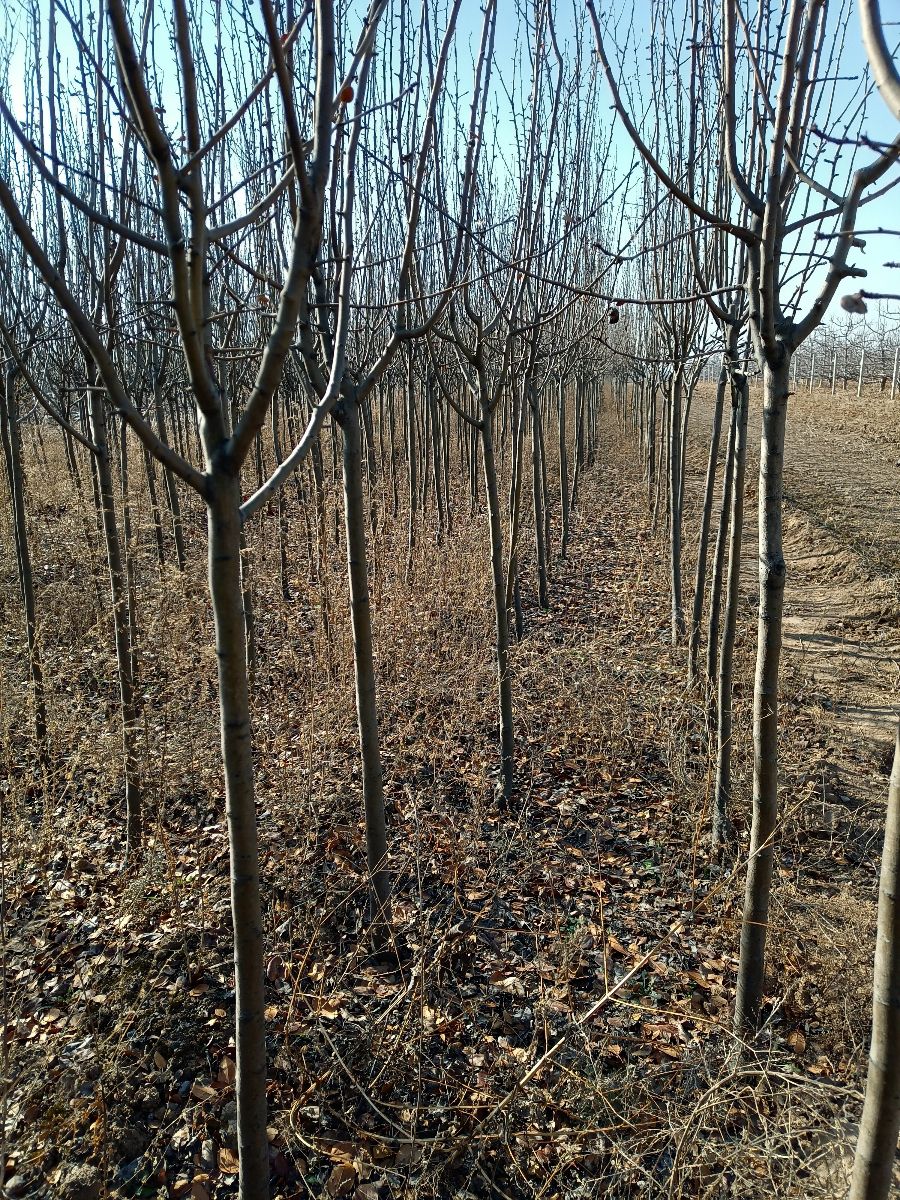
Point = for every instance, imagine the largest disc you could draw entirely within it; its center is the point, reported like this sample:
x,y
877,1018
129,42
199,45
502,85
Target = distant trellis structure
x,y
835,363
862,368
852,356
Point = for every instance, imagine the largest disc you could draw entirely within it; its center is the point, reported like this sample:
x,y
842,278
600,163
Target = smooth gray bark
x,y
876,1149
171,488
159,540
128,537
675,493
705,522
513,590
364,664
224,526
772,572
563,472
122,629
537,487
722,827
580,391
501,620
12,452
718,564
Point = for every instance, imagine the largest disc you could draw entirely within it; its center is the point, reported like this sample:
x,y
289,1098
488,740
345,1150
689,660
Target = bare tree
x,y
189,245
876,1148
782,68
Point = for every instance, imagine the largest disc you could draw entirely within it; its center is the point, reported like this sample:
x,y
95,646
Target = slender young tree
x,y
346,392
876,1147
11,438
187,242
789,71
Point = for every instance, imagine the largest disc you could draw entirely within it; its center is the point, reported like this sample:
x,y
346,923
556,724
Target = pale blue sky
x,y
634,16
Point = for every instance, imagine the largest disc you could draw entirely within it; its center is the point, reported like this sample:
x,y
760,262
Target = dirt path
x,y
842,546
840,629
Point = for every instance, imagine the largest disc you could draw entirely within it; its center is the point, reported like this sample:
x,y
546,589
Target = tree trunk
x,y
246,560
687,401
563,472
662,465
234,709
78,485
283,572
675,493
650,469
513,590
594,405
705,521
395,493
424,428
322,567
546,487
751,971
436,454
473,472
580,390
537,484
366,709
876,1148
150,472
501,629
12,451
412,463
121,623
128,537
718,567
171,487
721,829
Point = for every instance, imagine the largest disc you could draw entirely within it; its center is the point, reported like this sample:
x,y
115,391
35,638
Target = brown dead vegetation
x,y
412,1078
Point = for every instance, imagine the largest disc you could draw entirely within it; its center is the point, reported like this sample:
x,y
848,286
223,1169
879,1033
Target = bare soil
x,y
842,548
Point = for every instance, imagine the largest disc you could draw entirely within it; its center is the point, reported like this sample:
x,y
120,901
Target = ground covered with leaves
x,y
554,1019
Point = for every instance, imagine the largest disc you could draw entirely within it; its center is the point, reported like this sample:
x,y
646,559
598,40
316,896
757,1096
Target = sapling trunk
x,y
676,397
123,631
150,473
501,620
705,522
718,564
688,400
580,390
283,569
546,488
127,535
364,664
722,828
168,479
513,590
876,1148
434,410
651,444
412,463
224,524
537,487
772,571
12,452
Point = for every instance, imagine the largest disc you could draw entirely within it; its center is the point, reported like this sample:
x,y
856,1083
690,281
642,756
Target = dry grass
x,y
383,1082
